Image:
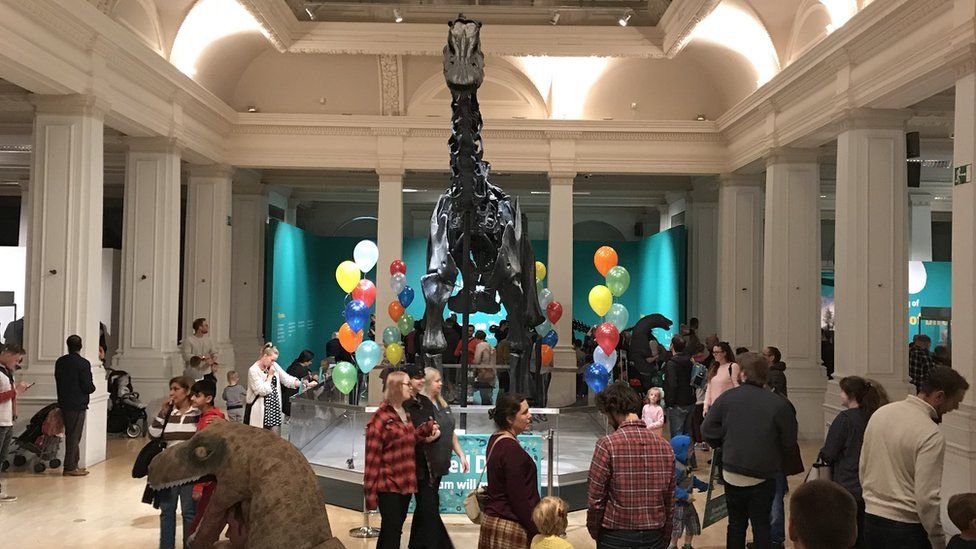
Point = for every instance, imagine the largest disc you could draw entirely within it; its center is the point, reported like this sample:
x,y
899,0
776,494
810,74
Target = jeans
x,y
427,530
6,435
74,425
679,419
393,511
777,518
167,514
882,533
751,504
632,539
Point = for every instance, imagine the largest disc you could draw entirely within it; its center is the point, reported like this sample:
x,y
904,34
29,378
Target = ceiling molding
x,y
680,20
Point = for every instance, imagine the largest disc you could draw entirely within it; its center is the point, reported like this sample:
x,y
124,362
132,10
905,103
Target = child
x,y
234,395
193,370
551,518
653,414
202,396
685,515
962,513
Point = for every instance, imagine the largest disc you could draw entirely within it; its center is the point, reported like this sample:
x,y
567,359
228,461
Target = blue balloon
x,y
551,339
368,355
596,377
356,314
406,296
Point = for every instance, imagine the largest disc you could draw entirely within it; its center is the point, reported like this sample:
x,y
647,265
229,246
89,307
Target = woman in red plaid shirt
x,y
390,478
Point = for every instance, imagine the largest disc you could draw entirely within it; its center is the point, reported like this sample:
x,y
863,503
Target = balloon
x,y
398,282
394,353
605,259
365,291
349,338
398,267
551,338
544,328
395,310
607,337
545,298
600,299
365,254
347,275
618,315
596,377
605,360
546,355
356,314
540,271
406,296
391,334
344,376
368,355
618,280
554,311
405,324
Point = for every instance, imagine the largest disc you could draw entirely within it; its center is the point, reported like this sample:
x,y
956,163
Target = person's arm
x,y
185,350
657,414
460,453
258,382
786,423
836,439
520,485
712,429
680,493
158,422
287,380
86,382
708,397
597,490
736,370
928,485
374,459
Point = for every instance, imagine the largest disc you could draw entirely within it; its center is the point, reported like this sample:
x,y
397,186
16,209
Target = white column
x,y
702,222
64,252
24,213
920,248
871,258
740,260
250,207
389,239
207,255
150,283
791,279
677,203
559,266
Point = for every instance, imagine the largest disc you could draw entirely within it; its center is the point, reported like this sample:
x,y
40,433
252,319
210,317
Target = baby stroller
x,y
41,438
126,414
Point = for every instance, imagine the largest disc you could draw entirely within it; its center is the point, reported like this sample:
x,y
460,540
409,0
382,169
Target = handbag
x,y
477,499
140,468
819,471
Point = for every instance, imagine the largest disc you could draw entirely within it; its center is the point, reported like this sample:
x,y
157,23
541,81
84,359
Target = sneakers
x,y
7,498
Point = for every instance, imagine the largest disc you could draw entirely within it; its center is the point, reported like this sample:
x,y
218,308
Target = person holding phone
x,y
73,377
10,357
265,378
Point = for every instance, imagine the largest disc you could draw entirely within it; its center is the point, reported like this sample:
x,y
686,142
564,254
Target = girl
x,y
551,518
653,414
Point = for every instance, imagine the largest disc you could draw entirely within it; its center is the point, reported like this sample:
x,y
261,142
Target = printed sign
x,y
715,509
962,174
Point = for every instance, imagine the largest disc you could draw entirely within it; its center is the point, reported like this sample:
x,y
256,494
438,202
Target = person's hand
x,y
464,463
165,406
213,368
196,495
21,386
311,384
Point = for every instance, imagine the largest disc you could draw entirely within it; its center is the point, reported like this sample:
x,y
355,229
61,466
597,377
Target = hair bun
x,y
491,413
268,345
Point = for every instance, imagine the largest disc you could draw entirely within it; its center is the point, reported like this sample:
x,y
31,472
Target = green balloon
x,y
618,315
391,334
618,280
344,376
405,324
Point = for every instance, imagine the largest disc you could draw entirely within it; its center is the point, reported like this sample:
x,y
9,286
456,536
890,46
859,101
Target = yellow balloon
x,y
540,271
347,275
600,299
394,353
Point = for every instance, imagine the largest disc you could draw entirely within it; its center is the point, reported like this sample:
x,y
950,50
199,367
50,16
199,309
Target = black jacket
x,y
842,449
73,377
755,428
677,381
777,379
421,410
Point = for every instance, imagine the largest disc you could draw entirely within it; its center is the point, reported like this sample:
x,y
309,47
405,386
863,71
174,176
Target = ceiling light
x,y
823,196
701,118
252,108
397,16
311,15
555,18
409,190
625,18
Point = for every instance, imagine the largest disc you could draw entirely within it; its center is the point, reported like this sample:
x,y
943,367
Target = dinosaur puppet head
x,y
188,462
464,64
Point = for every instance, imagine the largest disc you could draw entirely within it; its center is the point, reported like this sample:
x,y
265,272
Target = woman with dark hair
x,y
723,374
513,483
842,447
299,369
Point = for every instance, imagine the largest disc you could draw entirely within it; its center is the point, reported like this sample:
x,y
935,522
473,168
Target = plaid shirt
x,y
631,481
390,465
919,364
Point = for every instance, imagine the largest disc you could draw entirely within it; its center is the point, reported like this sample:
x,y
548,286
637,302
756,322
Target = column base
x,y
94,436
807,384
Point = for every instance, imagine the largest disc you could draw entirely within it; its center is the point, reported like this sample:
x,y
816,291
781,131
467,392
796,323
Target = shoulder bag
x,y
819,471
152,449
477,499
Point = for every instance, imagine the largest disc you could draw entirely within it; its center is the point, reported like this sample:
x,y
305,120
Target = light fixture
x,y
397,16
701,118
625,18
823,196
311,15
555,18
410,190
252,108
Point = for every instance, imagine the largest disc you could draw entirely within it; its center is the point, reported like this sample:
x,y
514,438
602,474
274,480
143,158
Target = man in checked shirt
x,y
631,489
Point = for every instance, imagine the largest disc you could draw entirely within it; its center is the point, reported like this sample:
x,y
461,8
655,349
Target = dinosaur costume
x,y
260,476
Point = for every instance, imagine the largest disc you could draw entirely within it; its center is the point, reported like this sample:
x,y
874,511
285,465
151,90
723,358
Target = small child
x,y
551,518
193,371
653,414
234,395
962,513
685,515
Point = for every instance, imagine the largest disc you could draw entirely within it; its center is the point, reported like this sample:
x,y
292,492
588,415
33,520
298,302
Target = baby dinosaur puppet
x,y
261,476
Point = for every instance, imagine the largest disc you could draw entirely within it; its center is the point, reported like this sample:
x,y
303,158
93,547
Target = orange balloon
x,y
546,355
349,339
605,259
395,309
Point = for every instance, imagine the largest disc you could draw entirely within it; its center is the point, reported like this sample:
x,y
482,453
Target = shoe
x,y
75,473
7,498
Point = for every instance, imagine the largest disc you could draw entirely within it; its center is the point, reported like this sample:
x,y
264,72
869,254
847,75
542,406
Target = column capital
x,y
872,119
919,198
211,170
169,145
71,104
390,174
790,155
739,180
962,59
566,177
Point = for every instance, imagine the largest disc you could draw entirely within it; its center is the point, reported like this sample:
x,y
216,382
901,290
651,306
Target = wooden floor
x,y
104,510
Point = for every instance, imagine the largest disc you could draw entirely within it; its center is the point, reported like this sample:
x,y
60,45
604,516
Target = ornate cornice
x,y
73,104
680,20
65,27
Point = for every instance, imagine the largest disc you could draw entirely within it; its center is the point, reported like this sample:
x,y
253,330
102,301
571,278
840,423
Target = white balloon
x,y
545,298
917,277
365,255
398,282
605,360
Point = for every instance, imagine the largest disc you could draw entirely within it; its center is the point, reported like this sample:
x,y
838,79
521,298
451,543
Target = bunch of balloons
x,y
554,311
615,316
397,311
356,314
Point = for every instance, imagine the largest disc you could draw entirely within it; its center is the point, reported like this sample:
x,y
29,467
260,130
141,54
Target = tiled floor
x,y
104,510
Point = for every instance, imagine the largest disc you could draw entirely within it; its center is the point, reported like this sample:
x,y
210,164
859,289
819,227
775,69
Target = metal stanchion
x,y
550,434
365,531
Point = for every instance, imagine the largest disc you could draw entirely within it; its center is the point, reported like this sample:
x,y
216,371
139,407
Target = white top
x,y
901,466
258,387
7,406
192,346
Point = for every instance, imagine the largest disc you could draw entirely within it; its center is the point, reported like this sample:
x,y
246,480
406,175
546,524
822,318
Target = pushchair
x,y
41,438
126,413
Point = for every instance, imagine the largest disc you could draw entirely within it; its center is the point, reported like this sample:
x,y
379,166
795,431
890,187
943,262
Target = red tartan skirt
x,y
500,533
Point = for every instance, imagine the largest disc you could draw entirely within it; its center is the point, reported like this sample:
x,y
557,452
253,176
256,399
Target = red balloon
x,y
365,291
398,267
554,311
607,337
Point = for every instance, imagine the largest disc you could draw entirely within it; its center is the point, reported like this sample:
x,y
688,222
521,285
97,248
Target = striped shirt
x,y
181,425
631,481
390,465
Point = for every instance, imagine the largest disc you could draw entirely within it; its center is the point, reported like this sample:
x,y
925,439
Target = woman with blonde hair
x,y
264,380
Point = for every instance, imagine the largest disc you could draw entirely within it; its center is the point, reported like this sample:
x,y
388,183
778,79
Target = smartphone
x,y
31,384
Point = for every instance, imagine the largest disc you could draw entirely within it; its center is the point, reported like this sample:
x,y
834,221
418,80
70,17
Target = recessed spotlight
x,y
701,118
555,18
397,16
252,108
633,106
625,18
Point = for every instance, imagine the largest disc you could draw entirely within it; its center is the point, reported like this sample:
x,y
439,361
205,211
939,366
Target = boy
x,y
962,513
822,515
202,396
234,395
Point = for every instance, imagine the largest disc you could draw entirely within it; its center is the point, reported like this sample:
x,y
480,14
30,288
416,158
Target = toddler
x,y
234,395
551,518
653,414
685,519
192,371
962,513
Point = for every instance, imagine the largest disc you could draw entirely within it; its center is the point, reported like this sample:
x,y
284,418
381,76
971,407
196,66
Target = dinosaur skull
x,y
187,462
464,64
